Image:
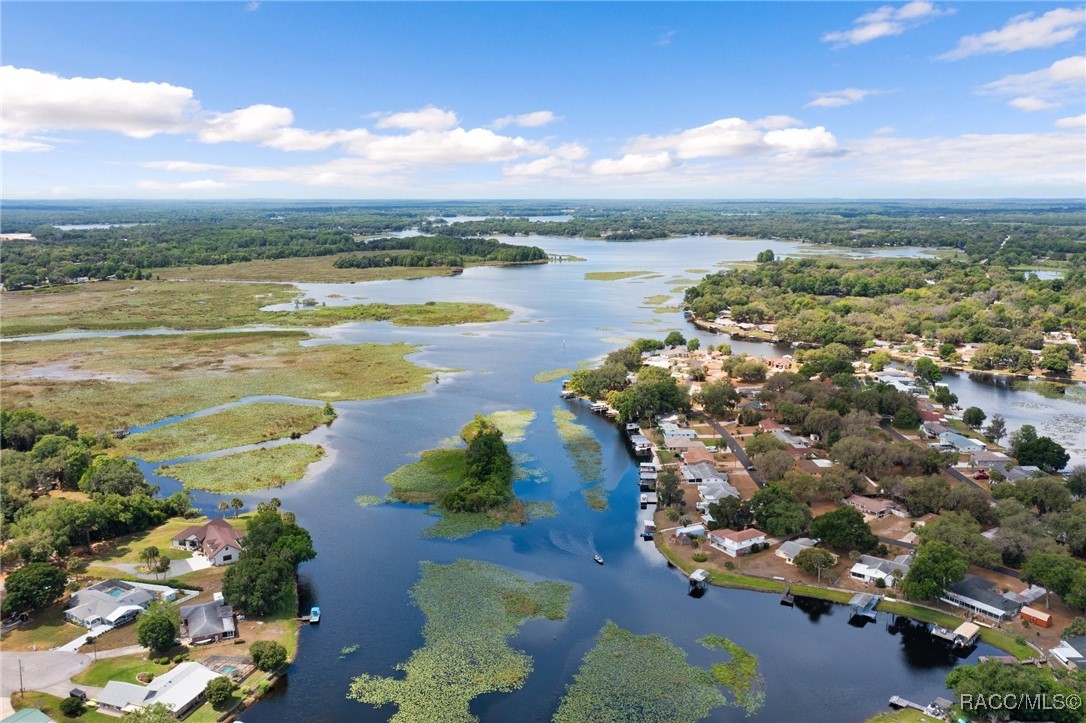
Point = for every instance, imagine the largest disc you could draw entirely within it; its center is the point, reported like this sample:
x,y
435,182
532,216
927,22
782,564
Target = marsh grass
x,y
551,375
471,609
583,449
612,275
368,500
596,497
627,677
308,269
657,299
739,675
247,424
153,377
251,471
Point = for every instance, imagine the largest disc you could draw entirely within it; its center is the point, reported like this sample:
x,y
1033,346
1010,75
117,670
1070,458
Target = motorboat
x,y
598,559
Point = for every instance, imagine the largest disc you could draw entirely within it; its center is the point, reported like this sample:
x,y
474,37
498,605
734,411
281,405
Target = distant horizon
x,y
562,199
608,100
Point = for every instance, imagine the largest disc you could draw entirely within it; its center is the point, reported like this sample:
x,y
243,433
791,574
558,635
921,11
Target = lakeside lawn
x,y
130,381
247,424
127,548
124,669
250,471
50,706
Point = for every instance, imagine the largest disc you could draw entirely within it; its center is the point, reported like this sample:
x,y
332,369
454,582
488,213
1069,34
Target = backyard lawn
x,y
50,705
46,629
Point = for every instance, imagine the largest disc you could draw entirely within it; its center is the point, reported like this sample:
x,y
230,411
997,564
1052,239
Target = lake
x,y
817,667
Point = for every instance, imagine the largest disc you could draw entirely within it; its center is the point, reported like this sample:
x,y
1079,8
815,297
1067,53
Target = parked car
x,y
981,474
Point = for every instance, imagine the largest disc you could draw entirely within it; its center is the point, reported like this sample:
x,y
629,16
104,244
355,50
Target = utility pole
x,y
21,676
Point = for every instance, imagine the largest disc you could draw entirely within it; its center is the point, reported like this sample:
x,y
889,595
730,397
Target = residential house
x,y
736,543
701,472
1020,472
768,425
790,549
217,541
1071,652
872,506
28,715
208,622
110,602
180,689
712,493
681,444
698,455
815,466
960,442
669,429
871,569
934,428
797,446
978,595
986,459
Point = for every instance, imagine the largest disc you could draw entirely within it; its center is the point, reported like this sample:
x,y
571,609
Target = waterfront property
x,y
962,636
979,596
217,540
960,442
790,549
1021,472
863,605
987,459
736,542
208,622
180,689
871,569
670,429
110,602
1071,652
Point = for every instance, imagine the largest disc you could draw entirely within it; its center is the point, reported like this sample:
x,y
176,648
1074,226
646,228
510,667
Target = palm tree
x,y
223,507
236,504
149,555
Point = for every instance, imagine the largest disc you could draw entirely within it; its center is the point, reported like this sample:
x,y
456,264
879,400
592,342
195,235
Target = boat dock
x,y
863,605
699,579
896,701
787,598
962,636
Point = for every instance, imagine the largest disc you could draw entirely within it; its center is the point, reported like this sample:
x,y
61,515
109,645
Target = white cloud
x,y
35,101
11,144
1078,121
735,137
183,166
254,124
428,118
527,120
665,38
252,7
884,22
477,145
1023,32
632,164
1030,104
885,131
204,184
838,98
566,161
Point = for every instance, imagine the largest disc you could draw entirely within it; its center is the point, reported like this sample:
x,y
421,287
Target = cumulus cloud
x,y
1023,32
527,120
566,161
1042,89
183,166
1078,121
632,164
885,131
204,184
1029,104
838,98
35,101
884,22
428,118
735,137
252,7
11,144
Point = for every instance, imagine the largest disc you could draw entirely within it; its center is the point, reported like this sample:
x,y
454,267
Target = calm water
x,y
816,665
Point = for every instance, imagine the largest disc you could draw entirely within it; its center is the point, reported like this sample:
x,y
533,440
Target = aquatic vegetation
x,y
644,678
697,271
432,313
612,275
347,650
739,675
616,340
540,510
471,609
550,375
657,299
1051,390
437,472
583,451
596,497
524,469
368,500
511,422
247,424
454,525
257,469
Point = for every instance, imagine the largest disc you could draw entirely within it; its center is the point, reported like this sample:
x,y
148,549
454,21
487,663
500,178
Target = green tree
x,y
750,371
992,680
223,507
960,531
906,418
1054,572
693,344
259,586
675,338
762,443
997,428
1076,480
71,706
1043,452
814,561
34,587
927,370
974,417
219,691
149,556
774,464
844,528
1075,629
268,655
878,360
112,475
765,256
779,512
236,504
157,627
718,398
935,566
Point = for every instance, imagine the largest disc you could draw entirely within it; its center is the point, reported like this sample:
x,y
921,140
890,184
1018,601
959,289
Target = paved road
x,y
42,670
733,445
177,567
953,473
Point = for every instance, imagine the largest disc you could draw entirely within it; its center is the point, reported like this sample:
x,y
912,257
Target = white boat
x,y
598,559
644,499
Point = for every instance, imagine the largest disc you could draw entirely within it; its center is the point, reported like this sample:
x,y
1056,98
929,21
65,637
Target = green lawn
x,y
46,629
993,637
250,471
906,715
128,547
50,705
123,669
247,424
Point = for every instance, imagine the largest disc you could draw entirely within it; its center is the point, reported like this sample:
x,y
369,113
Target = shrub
x,y
880,583
177,659
883,549
71,707
700,557
268,654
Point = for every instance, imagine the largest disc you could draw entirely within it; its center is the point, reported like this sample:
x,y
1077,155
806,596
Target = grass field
x,y
907,715
130,305
46,629
612,275
248,424
127,548
312,269
50,705
549,375
102,384
124,669
250,471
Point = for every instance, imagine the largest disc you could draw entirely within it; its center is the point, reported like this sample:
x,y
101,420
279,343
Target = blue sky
x,y
543,100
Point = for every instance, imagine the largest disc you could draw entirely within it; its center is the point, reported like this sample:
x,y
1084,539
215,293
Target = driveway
x,y
44,670
177,567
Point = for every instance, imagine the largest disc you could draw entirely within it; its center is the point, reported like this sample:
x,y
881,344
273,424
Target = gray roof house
x,y
1023,472
180,690
872,569
979,595
701,472
1071,651
791,548
208,622
110,602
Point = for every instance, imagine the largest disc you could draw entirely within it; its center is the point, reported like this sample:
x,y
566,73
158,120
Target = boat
x,y
644,499
314,615
598,559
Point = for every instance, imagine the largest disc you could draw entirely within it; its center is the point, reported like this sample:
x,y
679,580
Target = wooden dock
x,y
787,598
896,701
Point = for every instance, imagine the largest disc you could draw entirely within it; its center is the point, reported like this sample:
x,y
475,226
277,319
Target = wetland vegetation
x,y
249,471
472,608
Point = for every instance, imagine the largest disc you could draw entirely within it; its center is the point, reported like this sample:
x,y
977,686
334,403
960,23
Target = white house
x,y
217,541
180,689
790,549
872,569
736,543
110,602
979,596
670,429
